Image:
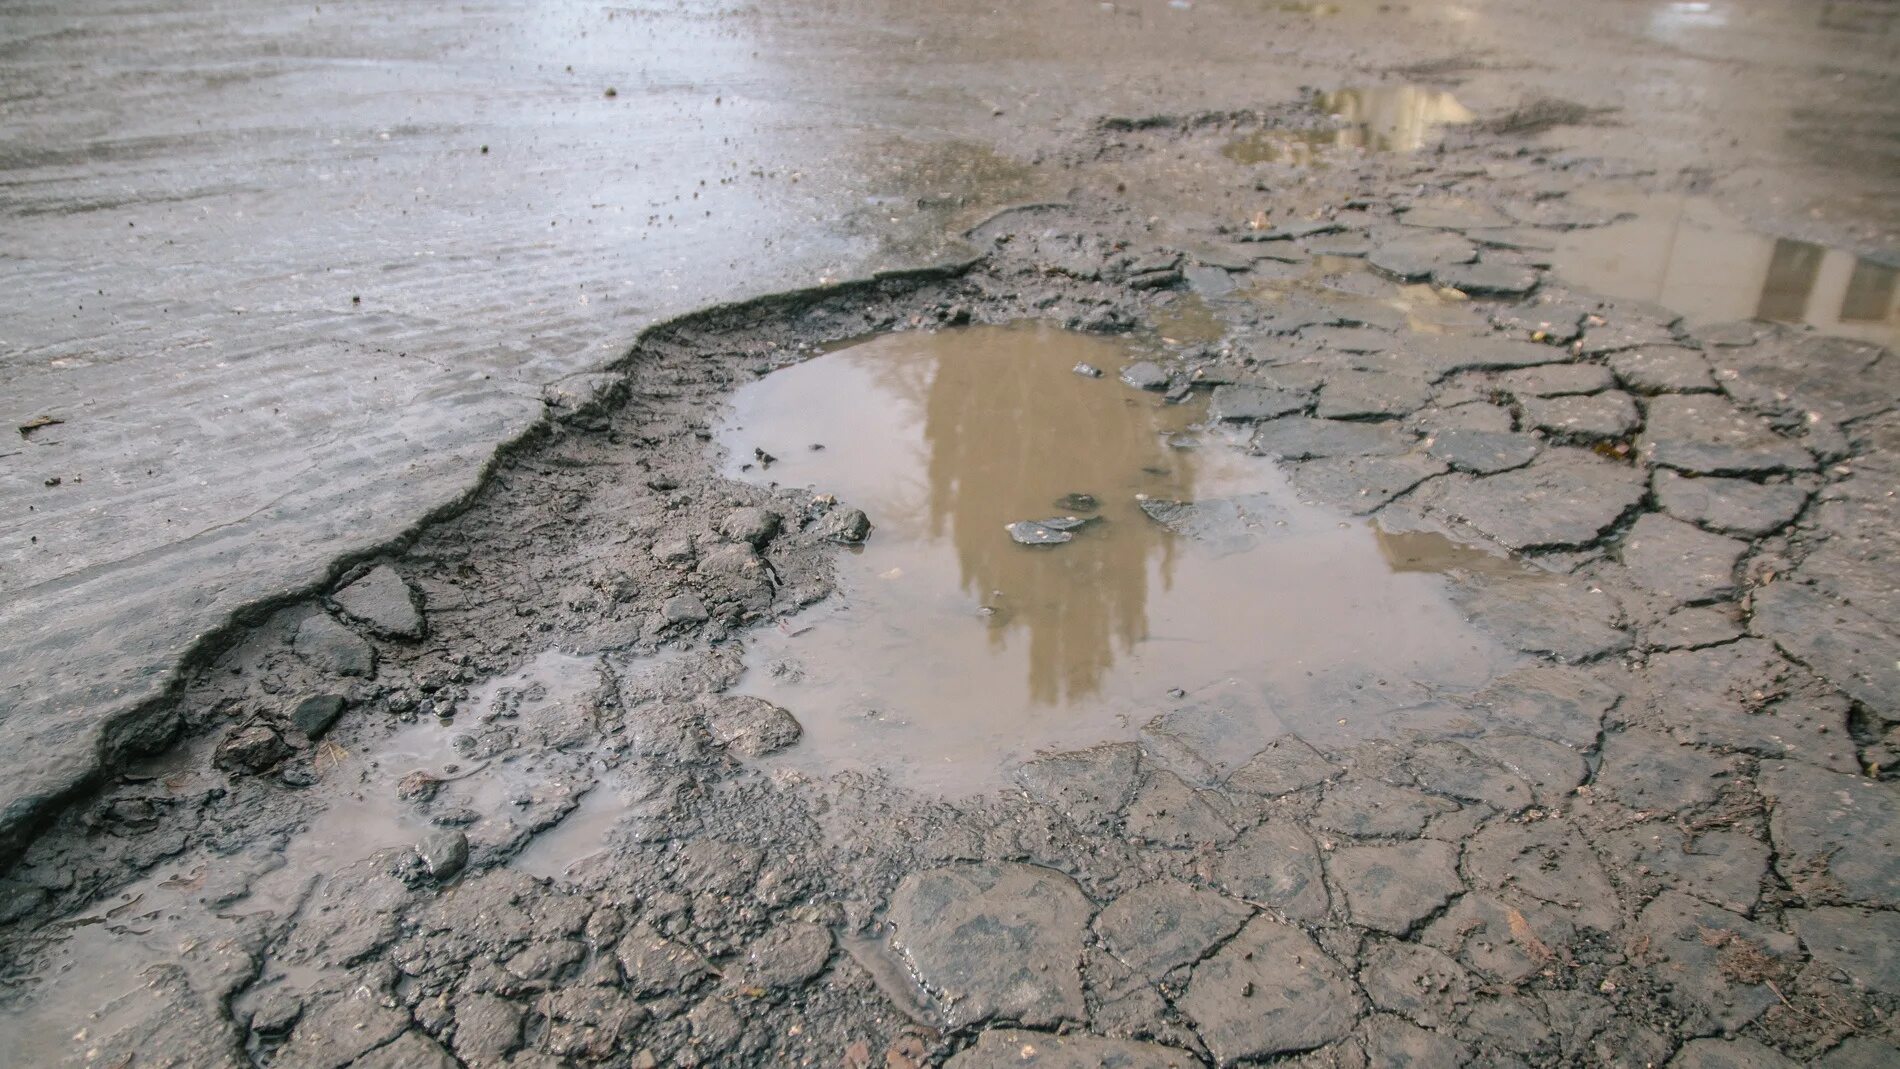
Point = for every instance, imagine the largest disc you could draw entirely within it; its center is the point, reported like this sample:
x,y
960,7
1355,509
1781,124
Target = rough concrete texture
x,y
475,791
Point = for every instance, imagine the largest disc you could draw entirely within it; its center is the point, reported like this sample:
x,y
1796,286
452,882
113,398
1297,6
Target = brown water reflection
x,y
953,651
1391,118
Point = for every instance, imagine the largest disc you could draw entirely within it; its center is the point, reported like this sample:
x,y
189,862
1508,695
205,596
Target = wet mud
x,y
1317,633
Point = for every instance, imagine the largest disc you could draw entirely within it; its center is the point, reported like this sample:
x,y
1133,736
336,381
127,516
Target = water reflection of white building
x,y
1685,255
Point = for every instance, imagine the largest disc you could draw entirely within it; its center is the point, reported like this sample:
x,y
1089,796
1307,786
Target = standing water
x,y
953,652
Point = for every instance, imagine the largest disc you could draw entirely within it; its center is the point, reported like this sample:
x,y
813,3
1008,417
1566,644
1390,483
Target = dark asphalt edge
x,y
144,726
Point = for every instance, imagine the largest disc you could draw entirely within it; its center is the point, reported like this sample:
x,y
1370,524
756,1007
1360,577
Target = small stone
x,y
313,716
684,609
250,749
1049,532
735,561
789,954
384,601
1145,375
656,965
486,1028
849,527
444,854
674,551
751,525
276,1013
1488,279
330,646
751,726
1088,370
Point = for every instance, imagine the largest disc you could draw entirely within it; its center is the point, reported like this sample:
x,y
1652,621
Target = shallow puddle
x,y
1683,253
953,652
1187,320
1390,118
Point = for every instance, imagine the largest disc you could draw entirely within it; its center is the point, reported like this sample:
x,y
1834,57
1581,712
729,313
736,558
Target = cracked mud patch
x,y
1321,682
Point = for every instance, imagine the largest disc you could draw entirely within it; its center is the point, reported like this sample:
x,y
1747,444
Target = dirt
x,y
1503,750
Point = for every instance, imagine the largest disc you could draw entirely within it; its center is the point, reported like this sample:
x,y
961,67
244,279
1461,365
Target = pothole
x,y
1194,580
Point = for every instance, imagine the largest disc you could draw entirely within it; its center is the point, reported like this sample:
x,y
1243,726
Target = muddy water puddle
x,y
1684,253
1392,118
1196,584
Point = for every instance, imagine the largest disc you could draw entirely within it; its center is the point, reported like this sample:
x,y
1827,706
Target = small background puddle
x,y
952,652
1683,253
1394,118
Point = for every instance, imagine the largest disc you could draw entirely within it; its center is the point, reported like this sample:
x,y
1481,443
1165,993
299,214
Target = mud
x,y
1594,766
